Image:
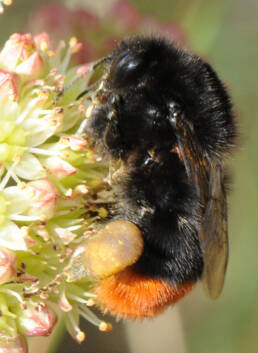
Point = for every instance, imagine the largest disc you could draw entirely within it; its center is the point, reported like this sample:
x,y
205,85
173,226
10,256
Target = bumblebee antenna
x,y
91,67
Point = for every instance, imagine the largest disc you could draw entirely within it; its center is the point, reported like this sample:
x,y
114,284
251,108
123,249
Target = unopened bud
x,y
37,320
44,197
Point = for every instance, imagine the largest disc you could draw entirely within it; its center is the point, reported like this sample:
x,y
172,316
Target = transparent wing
x,y
207,175
214,235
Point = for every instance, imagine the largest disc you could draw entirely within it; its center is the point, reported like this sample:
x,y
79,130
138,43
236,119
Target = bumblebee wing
x,y
208,178
214,234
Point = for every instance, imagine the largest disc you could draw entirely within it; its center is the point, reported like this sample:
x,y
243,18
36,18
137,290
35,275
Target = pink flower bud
x,y
44,198
9,84
59,168
8,261
17,345
76,143
20,55
37,320
17,49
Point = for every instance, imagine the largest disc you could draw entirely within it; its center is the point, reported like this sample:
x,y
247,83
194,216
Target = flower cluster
x,y
50,184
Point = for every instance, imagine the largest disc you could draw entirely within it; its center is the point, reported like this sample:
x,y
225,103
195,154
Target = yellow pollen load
x,y
112,249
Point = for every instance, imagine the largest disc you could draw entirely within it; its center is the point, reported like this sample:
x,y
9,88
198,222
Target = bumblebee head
x,y
143,78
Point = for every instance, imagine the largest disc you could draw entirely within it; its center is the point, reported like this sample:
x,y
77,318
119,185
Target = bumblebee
x,y
165,116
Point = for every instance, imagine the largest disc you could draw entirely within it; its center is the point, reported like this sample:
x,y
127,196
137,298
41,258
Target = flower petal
x,y
39,130
65,235
17,199
9,84
31,67
12,237
30,168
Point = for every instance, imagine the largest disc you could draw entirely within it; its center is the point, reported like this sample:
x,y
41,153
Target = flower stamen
x,y
74,329
43,152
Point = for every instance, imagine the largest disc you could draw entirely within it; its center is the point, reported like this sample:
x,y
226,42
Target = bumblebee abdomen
x,y
131,295
158,198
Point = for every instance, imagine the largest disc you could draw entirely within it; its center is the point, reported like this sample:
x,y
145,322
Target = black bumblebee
x,y
166,116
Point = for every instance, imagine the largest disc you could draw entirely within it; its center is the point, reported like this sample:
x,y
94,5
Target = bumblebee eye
x,y
126,69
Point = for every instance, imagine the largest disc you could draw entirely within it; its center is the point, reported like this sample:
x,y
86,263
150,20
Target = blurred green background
x,y
224,32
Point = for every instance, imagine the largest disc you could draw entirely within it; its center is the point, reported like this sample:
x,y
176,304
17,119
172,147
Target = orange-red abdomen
x,y
131,295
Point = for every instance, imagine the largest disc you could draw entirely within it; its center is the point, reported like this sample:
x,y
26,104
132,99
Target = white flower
x,y
49,180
